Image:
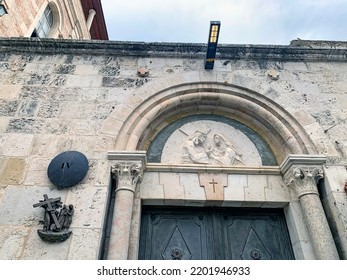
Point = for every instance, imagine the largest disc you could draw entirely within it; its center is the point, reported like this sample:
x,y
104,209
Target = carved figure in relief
x,y
223,152
219,150
65,217
194,149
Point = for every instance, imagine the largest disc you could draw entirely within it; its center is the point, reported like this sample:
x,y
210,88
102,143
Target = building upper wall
x,y
22,18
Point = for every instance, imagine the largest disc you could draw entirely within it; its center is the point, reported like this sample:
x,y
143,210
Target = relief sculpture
x,y
218,150
209,142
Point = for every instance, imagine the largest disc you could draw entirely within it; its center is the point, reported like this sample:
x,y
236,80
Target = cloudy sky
x,y
242,21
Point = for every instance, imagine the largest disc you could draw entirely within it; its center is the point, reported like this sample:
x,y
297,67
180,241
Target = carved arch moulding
x,y
160,106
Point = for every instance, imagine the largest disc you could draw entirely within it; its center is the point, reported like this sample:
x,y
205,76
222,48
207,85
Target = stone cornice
x,y
302,160
303,173
128,156
293,52
202,168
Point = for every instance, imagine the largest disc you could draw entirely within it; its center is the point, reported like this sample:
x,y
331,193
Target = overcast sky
x,y
242,21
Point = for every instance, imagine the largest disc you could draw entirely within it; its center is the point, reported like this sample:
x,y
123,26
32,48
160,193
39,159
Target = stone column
x,y
127,171
302,173
90,18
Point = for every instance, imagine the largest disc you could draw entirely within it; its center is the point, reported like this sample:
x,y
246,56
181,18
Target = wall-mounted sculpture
x,y
57,219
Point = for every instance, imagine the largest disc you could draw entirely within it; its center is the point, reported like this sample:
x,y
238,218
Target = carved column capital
x,y
128,173
127,168
302,172
304,179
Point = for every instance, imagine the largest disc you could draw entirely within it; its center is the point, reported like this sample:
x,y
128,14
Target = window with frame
x,y
45,24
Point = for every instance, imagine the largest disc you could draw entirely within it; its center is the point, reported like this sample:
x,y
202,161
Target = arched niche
x,y
226,142
276,126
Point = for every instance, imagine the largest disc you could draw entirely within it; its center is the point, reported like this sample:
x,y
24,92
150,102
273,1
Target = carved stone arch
x,y
161,105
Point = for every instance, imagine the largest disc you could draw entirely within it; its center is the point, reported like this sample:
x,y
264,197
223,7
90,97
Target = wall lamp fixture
x,y
212,44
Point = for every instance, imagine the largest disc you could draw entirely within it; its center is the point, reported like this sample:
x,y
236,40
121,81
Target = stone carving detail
x,y
56,222
304,179
142,72
212,143
273,74
217,151
129,174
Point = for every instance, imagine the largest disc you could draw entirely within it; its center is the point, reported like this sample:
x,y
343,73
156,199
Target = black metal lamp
x,y
212,44
3,10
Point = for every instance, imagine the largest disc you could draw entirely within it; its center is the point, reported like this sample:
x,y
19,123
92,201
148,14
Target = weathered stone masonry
x,y
60,95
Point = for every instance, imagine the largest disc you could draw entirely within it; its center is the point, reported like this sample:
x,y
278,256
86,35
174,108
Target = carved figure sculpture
x,y
56,223
194,149
215,151
223,152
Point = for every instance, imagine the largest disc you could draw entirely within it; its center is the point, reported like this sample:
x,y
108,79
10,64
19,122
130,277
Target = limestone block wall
x,y
58,97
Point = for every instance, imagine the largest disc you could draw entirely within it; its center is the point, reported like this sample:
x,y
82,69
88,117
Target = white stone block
x,y
36,249
89,205
88,81
235,191
17,204
334,178
194,193
18,145
84,244
255,190
173,190
151,191
83,69
276,191
12,240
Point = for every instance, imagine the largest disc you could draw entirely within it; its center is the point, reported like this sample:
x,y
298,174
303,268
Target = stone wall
x,y
57,96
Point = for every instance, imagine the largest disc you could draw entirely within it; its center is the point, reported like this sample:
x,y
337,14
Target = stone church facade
x,y
178,156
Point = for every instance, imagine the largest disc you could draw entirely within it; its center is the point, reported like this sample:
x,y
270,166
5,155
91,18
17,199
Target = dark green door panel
x,y
214,233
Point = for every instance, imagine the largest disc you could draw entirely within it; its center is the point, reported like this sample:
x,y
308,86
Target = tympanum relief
x,y
212,143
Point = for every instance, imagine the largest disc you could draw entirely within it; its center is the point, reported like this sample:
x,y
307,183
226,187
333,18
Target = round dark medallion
x,y
68,169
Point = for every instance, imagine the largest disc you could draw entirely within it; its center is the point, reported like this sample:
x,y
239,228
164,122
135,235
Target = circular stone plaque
x,y
68,169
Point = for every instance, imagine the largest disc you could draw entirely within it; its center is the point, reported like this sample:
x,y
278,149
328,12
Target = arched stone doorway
x,y
180,184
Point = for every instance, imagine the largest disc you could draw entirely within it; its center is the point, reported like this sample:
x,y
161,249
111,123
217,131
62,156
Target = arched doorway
x,y
272,131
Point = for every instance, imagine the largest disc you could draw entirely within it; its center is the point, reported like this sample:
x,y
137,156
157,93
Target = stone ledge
x,y
293,52
202,168
302,160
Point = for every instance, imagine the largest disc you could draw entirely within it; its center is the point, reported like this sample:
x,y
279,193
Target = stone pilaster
x,y
127,170
302,173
